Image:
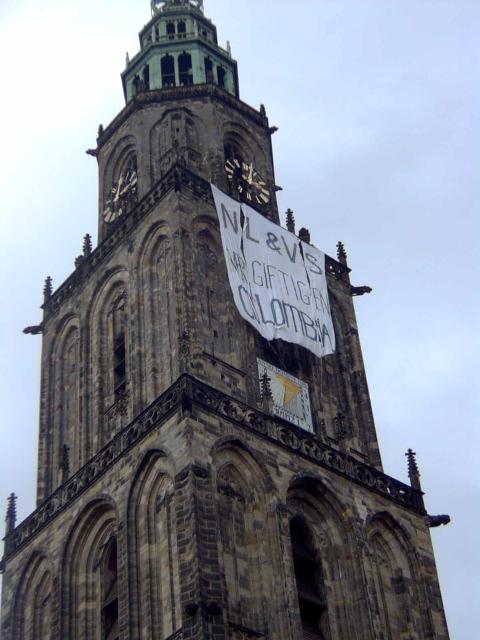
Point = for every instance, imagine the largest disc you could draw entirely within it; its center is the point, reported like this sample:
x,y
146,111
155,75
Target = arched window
x,y
32,618
168,71
171,30
182,29
185,69
311,598
208,71
221,76
119,323
109,586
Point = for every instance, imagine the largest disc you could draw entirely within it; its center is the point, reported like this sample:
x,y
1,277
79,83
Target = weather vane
x,y
158,5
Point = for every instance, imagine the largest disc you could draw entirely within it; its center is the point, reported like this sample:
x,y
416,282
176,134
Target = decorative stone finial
x,y
229,48
290,221
47,289
11,517
100,130
263,111
304,235
87,245
127,59
413,472
341,253
265,388
266,395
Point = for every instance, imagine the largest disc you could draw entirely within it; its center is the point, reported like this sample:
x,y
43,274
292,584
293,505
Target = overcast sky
x,y
377,102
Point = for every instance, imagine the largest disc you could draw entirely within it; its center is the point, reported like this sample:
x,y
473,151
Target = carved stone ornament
x,y
276,431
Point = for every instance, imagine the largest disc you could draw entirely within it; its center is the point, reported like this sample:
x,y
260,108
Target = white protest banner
x,y
278,282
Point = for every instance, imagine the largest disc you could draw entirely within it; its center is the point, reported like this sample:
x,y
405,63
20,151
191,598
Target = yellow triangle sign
x,y
292,389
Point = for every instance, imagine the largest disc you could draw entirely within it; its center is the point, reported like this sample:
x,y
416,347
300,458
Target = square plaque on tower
x,y
291,399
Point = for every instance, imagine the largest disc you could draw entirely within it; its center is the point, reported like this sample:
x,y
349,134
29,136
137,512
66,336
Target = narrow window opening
x,y
309,582
110,593
168,71
119,351
208,70
146,78
185,69
171,30
182,29
136,85
221,73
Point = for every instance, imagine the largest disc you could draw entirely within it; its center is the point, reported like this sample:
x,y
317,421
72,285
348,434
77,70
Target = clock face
x,y
121,194
247,181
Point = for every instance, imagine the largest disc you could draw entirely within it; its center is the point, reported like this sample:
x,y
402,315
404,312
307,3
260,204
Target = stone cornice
x,y
158,96
178,178
186,395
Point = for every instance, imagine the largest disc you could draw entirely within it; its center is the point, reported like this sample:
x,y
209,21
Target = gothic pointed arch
x,y
90,598
61,433
214,322
68,449
177,137
154,588
121,161
325,598
246,540
110,366
33,607
158,312
401,603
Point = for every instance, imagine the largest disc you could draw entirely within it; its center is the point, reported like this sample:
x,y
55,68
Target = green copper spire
x,y
179,47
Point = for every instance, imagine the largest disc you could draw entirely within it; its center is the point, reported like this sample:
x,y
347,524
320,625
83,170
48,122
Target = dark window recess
x,y
185,69
146,78
119,350
182,29
168,71
120,368
308,577
110,593
136,85
208,71
221,73
171,30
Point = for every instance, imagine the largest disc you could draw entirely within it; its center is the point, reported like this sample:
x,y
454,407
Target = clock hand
x,y
119,187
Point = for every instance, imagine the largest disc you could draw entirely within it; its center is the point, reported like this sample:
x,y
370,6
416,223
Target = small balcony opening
x,y
208,71
168,71
221,73
146,78
182,29
185,69
171,30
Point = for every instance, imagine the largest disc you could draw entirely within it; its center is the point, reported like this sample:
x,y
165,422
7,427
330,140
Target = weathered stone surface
x,y
167,498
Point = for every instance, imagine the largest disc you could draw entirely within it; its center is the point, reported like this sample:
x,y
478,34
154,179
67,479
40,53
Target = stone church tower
x,y
175,499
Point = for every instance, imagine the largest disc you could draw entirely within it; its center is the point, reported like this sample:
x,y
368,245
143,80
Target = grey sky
x,y
377,103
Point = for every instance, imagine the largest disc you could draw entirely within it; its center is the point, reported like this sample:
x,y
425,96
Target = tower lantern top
x,y
178,48
161,5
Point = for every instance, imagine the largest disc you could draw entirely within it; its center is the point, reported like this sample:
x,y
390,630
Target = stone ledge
x,y
160,96
177,178
185,394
